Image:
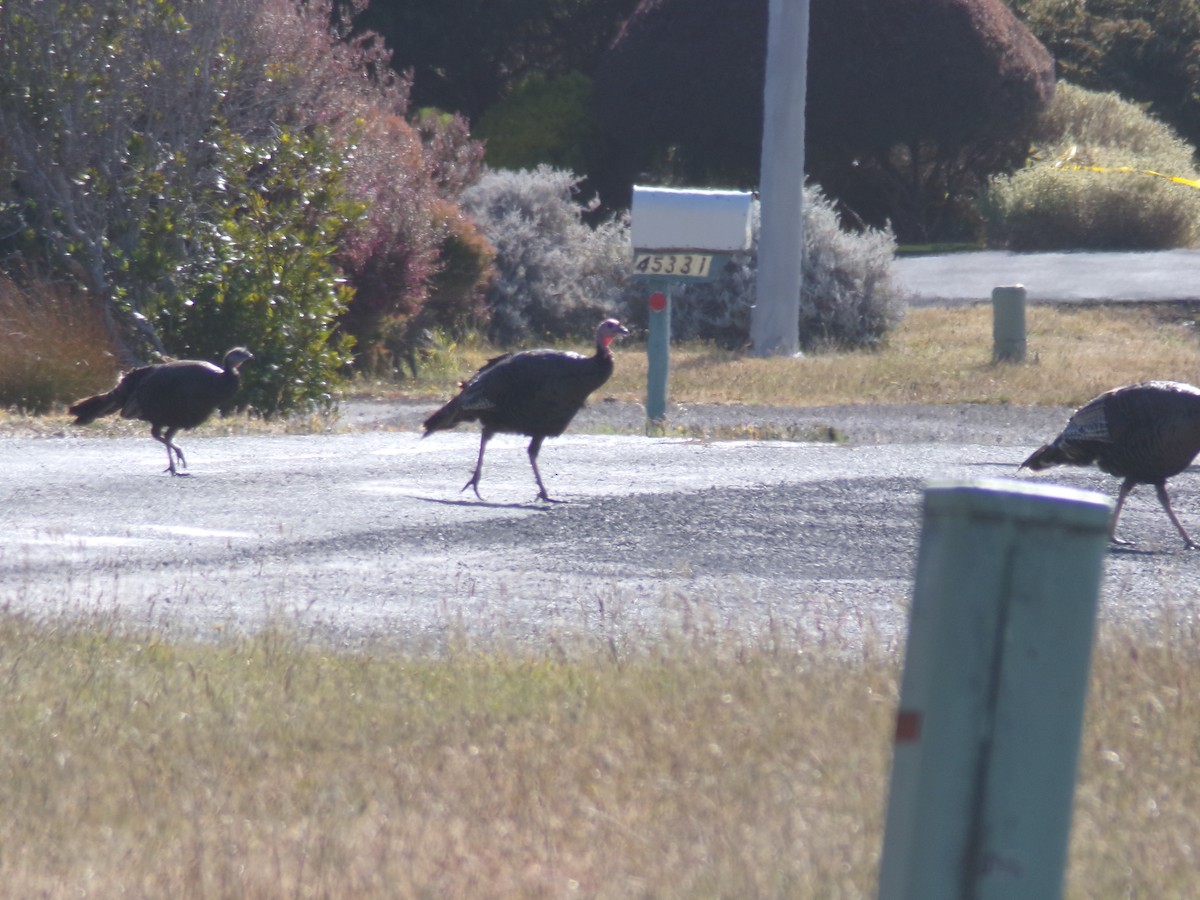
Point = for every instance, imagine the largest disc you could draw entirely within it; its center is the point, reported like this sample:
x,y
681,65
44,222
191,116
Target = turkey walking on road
x,y
172,395
1144,433
534,392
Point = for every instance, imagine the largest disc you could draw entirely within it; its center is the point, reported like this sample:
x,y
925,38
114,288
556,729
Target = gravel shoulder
x,y
857,424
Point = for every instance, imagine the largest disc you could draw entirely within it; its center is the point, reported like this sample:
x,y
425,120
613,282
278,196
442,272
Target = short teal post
x,y
992,696
658,351
1008,323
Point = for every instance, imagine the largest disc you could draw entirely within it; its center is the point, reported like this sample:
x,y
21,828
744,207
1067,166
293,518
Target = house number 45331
x,y
680,265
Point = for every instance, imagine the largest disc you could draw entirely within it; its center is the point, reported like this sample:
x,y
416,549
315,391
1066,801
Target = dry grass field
x,y
945,356
699,764
934,356
696,767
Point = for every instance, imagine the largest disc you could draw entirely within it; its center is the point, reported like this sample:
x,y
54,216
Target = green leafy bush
x,y
1060,202
1148,51
261,272
541,121
143,143
405,171
104,107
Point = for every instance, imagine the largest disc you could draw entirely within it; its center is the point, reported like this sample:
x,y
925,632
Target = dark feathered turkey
x,y
1143,433
172,395
534,392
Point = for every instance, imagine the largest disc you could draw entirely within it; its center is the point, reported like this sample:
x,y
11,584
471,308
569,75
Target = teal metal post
x,y
992,696
658,351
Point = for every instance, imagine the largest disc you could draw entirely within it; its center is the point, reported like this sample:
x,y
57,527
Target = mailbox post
x,y
680,237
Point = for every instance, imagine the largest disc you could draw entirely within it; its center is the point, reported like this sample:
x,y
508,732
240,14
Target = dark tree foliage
x,y
911,103
680,94
467,54
1147,51
914,103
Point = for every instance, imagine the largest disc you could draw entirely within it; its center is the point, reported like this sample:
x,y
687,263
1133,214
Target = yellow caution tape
x,y
1065,163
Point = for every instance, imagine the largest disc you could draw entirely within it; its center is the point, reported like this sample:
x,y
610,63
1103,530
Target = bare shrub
x,y
104,107
1058,203
847,299
556,276
53,346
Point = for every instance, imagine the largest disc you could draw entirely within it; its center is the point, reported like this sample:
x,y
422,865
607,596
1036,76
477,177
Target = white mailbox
x,y
675,219
686,235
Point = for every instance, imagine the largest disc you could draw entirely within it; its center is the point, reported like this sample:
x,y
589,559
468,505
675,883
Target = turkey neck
x,y
231,380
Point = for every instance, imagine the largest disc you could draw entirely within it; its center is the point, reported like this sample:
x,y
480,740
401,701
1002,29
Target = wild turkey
x,y
534,392
172,395
1144,433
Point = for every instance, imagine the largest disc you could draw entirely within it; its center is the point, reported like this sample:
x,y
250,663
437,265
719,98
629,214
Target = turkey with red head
x,y
534,392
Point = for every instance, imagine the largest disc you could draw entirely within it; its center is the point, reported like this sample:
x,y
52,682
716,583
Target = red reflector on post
x,y
908,726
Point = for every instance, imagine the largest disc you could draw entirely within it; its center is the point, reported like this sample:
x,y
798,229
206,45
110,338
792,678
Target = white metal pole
x,y
775,323
992,696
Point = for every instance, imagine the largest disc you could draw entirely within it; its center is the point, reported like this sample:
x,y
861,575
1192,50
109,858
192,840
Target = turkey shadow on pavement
x,y
530,504
1119,550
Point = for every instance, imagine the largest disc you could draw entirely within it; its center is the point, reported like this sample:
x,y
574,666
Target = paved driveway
x,y
1051,277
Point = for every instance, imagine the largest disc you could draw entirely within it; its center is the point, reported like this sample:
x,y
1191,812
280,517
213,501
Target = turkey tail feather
x,y
1057,454
92,408
446,417
1042,458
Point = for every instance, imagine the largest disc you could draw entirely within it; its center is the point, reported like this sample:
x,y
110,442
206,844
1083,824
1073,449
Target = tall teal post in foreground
x,y
992,697
658,353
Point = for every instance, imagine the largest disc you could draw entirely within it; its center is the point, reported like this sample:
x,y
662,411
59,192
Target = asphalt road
x,y
366,533
1051,277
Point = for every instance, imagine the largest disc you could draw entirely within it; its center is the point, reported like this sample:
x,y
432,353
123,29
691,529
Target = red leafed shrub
x,y
405,174
414,260
392,251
